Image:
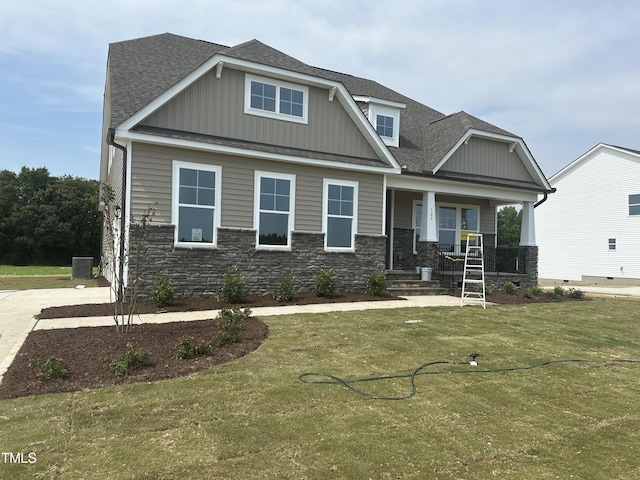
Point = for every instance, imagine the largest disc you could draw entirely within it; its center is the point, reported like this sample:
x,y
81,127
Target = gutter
x,y
111,141
544,199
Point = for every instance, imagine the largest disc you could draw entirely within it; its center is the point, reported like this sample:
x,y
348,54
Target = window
x,y
275,99
274,200
612,244
340,214
291,102
263,96
454,226
634,204
196,200
468,224
384,126
417,218
386,120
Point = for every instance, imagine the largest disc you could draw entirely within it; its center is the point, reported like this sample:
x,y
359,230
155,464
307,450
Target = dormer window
x,y
271,98
384,115
384,126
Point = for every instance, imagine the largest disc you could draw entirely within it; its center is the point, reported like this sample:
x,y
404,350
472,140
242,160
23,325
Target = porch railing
x,y
496,260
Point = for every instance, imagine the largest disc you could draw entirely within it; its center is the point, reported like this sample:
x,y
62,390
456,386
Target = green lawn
x,y
30,277
253,418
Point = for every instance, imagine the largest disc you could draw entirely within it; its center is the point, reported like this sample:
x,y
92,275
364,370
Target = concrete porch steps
x,y
407,283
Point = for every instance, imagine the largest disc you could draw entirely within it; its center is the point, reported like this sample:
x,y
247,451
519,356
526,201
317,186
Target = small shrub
x,y
233,289
487,288
51,368
162,293
377,284
576,293
131,359
325,284
510,288
230,322
285,289
189,348
532,291
558,290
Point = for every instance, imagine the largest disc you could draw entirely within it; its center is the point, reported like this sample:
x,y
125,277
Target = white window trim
x,y
258,174
248,78
458,207
632,204
175,201
375,110
325,213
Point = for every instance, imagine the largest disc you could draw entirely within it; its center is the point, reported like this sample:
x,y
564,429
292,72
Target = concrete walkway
x,y
18,308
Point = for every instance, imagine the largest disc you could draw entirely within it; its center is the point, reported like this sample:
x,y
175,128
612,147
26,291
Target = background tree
x,y
509,225
47,220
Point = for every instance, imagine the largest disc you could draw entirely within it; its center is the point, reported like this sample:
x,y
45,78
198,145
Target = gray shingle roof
x,y
142,69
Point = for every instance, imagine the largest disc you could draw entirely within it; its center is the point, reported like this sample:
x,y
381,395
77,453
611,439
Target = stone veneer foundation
x,y
200,271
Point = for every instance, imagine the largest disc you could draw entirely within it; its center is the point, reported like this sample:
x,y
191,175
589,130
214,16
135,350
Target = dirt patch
x,y
502,298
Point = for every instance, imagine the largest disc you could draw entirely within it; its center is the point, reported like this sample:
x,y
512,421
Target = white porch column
x,y
528,230
428,231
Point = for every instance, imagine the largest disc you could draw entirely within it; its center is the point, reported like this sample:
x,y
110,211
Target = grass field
x,y
253,418
30,277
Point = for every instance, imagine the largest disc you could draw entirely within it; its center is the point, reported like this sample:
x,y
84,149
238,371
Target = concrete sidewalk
x,y
18,308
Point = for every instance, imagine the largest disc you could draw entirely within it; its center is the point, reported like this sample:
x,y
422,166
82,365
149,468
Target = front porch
x,y
435,235
517,265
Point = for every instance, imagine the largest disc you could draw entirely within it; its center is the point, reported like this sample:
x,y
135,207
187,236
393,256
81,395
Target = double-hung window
x,y
634,204
272,98
274,198
339,219
196,203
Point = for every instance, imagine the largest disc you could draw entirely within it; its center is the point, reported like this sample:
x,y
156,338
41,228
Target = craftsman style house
x,y
258,161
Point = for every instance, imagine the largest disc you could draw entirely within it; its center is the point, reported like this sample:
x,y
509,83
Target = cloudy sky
x,y
562,74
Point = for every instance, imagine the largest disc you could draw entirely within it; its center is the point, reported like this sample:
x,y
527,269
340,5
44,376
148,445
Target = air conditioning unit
x,y
81,267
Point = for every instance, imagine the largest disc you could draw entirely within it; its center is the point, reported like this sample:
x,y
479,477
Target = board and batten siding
x,y
590,206
488,158
213,106
151,173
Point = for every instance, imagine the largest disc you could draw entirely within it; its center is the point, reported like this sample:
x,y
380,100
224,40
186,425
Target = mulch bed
x,y
85,348
203,303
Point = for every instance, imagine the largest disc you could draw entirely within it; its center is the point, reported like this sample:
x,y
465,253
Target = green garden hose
x,y
328,379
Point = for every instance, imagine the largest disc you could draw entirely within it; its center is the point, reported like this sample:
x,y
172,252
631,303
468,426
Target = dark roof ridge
x,y
623,148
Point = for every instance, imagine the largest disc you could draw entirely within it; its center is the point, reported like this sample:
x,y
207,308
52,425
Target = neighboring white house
x,y
589,229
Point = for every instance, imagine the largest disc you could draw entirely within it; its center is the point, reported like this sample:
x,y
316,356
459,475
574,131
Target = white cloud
x,y
563,75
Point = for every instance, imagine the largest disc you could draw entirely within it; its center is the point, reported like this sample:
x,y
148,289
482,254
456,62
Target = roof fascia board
x,y
502,138
379,101
126,135
449,187
584,157
346,99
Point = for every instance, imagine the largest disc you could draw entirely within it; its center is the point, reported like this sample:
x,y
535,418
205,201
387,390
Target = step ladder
x,y
473,276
